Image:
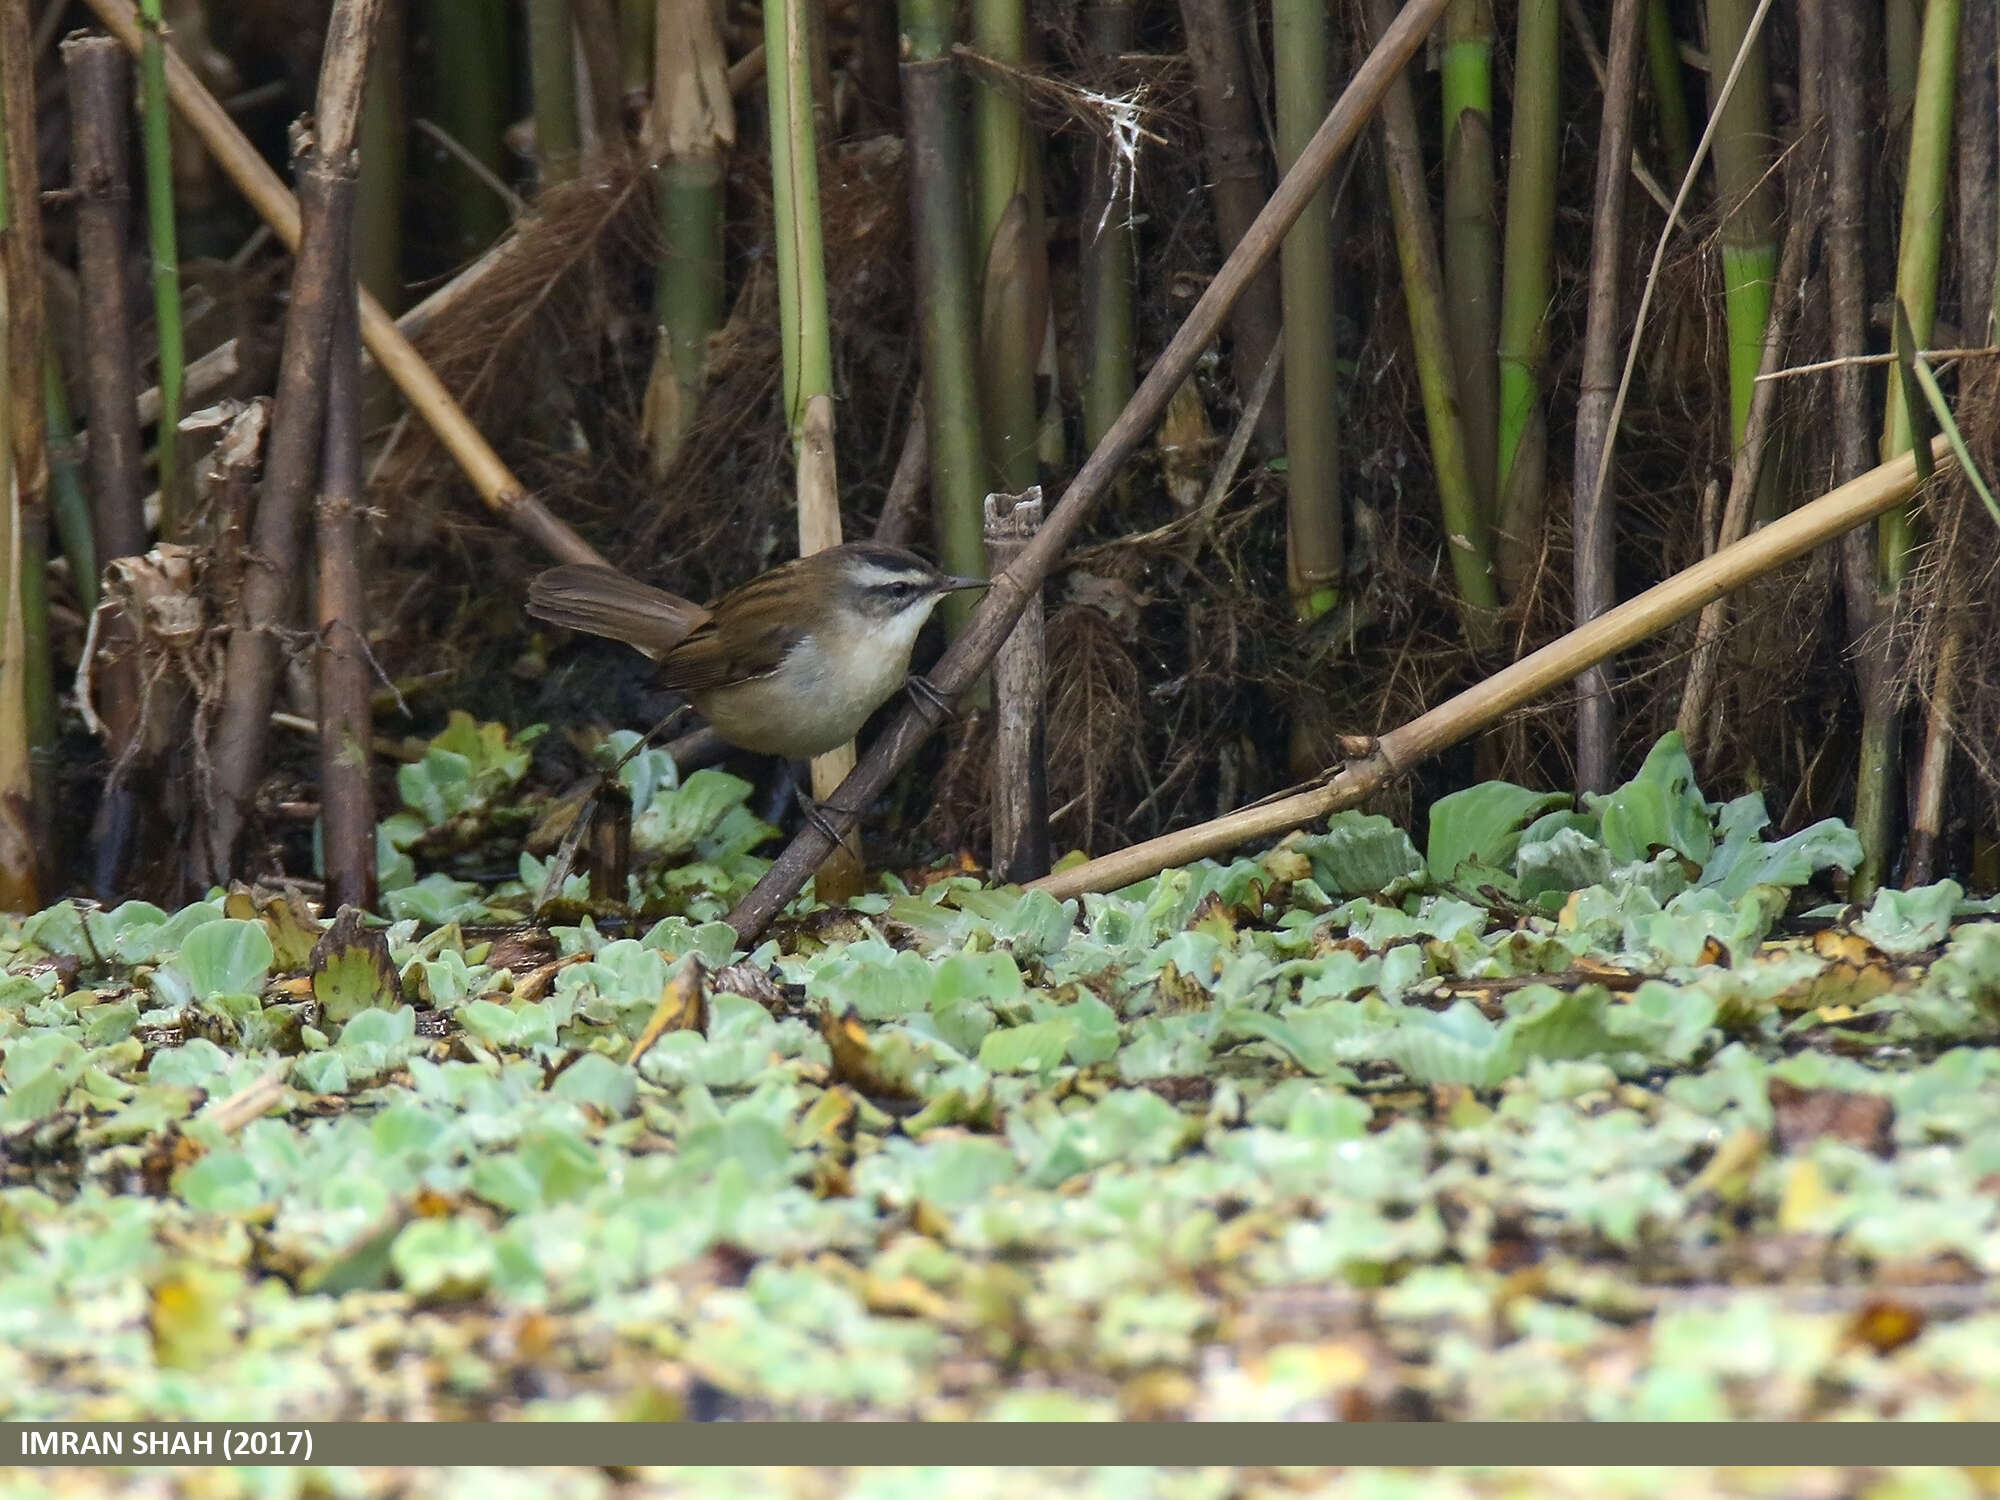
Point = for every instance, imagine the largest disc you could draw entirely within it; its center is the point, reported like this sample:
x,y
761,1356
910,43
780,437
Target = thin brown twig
x,y
1933,357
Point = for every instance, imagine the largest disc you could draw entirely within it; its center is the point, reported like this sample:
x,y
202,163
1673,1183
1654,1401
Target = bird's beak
x,y
959,585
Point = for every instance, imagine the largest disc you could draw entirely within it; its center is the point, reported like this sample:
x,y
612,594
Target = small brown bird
x,y
791,663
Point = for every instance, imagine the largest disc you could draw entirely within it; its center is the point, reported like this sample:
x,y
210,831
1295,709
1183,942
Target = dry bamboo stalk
x,y
611,844
1933,771
1592,505
1844,45
819,528
268,607
100,88
20,257
1020,708
909,486
266,194
346,712
1485,703
27,706
1233,145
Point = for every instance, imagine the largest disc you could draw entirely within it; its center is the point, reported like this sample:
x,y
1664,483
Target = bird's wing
x,y
720,652
603,601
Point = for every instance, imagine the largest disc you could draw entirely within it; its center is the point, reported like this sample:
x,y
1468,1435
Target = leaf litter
x,y
1598,1110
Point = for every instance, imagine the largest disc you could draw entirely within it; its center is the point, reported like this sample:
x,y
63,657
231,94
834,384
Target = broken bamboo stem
x,y
1020,706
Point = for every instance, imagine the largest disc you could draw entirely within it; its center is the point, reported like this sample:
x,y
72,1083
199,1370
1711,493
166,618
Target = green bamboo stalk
x,y
802,306
1466,538
1472,238
1108,308
933,120
552,70
687,136
807,337
1525,289
378,211
70,502
1921,247
635,45
156,127
1744,187
469,57
1901,29
1300,47
1007,229
1919,255
1663,53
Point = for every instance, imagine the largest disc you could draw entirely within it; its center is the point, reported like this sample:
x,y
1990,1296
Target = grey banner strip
x,y
150,1444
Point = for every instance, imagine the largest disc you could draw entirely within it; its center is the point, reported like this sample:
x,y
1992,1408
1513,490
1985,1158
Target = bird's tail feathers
x,y
603,601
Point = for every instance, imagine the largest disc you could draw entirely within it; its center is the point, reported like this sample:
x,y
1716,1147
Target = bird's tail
x,y
603,601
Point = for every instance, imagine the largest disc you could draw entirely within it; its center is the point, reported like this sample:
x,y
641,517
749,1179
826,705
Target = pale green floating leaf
x,y
714,943
962,1024
435,900
960,1170
1096,1038
226,957
596,1080
196,1063
1037,1047
1458,1045
1481,826
678,819
1743,861
1905,923
222,1182
321,1073
1660,808
1361,854
1037,926
453,1256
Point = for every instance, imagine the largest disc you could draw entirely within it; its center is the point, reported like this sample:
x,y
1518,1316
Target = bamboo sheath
x,y
1832,515
394,353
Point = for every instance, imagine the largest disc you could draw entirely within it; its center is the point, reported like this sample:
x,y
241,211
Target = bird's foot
x,y
929,701
810,810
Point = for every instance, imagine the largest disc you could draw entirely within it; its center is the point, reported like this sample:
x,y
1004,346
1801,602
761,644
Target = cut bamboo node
x,y
1020,701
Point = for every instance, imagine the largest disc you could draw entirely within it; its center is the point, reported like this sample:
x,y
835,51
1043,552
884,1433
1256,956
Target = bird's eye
x,y
904,590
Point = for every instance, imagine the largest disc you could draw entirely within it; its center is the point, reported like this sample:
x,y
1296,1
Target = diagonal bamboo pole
x,y
261,187
975,647
1832,515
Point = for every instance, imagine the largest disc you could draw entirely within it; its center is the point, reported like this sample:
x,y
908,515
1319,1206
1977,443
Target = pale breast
x,y
817,699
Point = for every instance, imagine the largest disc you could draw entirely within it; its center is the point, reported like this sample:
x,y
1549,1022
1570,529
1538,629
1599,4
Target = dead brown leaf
x,y
1802,1116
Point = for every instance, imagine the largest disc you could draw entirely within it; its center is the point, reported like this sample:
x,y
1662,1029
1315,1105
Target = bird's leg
x,y
929,701
797,779
810,811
